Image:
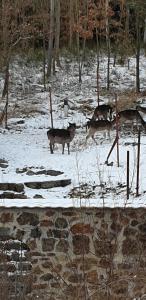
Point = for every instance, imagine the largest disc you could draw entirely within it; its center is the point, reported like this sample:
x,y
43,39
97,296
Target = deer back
x,y
62,136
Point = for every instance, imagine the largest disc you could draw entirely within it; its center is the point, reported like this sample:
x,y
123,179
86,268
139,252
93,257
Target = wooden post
x,y
138,163
116,141
117,130
127,175
51,107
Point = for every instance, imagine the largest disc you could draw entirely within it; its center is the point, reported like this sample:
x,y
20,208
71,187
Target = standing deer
x,y
99,125
61,136
103,111
130,116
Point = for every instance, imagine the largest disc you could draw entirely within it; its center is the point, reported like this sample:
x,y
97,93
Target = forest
x,y
47,28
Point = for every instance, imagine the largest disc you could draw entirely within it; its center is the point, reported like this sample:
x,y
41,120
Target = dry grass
x,y
126,100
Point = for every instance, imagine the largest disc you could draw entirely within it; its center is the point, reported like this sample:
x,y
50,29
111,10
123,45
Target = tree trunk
x,y
44,61
144,38
71,21
57,31
97,70
5,93
78,43
51,37
108,44
137,54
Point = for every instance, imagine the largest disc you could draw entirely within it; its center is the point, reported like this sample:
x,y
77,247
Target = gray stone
x,y
28,218
80,244
48,184
48,244
3,163
60,233
4,233
62,246
61,223
44,172
36,233
47,277
37,196
16,187
11,195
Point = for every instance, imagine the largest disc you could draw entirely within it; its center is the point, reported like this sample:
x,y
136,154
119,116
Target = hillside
x,y
24,149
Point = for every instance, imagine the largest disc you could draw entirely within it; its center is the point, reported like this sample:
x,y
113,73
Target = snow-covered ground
x,y
25,146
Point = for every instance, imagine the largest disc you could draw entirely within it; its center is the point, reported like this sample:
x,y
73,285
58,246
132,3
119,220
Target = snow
x,y
26,145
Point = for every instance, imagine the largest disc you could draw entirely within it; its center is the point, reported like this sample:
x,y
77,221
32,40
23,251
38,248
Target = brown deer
x,y
131,116
61,136
103,111
99,125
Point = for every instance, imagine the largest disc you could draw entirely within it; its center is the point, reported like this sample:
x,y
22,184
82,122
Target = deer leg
x,y
63,145
87,137
51,148
94,139
68,148
109,136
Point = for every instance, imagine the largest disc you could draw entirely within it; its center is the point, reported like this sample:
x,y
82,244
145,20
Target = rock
x,y
48,184
21,170
130,247
80,244
3,163
60,233
62,246
4,233
36,233
46,277
61,223
48,244
16,187
27,218
81,228
37,196
104,247
44,172
6,217
10,195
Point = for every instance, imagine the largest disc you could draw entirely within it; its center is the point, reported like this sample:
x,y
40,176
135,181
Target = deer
x,y
99,125
141,108
131,115
61,136
103,111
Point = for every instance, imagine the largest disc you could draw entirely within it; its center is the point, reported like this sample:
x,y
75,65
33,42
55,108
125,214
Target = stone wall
x,y
86,253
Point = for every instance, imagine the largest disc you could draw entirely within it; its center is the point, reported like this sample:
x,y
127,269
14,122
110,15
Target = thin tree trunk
x,y
97,69
78,43
44,61
137,54
71,21
144,38
51,37
108,45
5,93
57,31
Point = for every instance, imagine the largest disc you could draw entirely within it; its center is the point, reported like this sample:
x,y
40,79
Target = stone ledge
x,y
48,184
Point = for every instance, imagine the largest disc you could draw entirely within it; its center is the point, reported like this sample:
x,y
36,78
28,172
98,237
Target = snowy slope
x,y
25,146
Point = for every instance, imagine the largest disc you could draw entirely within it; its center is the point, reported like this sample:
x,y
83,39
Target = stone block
x,y
27,218
48,244
81,244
